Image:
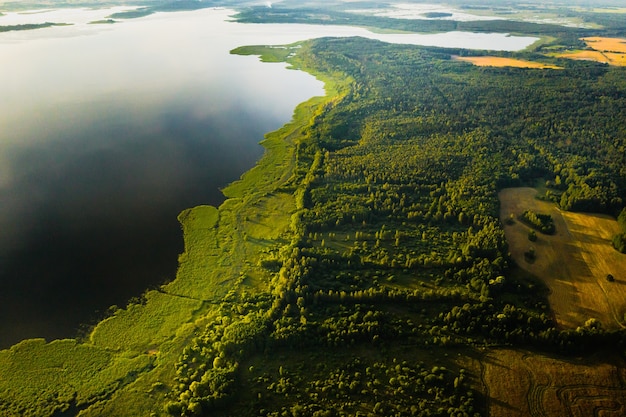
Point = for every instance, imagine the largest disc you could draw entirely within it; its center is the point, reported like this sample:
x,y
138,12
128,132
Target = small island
x,y
30,26
103,22
437,15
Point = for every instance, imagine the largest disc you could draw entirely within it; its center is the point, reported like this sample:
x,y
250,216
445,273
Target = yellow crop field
x,y
573,263
616,59
611,51
494,61
610,58
606,44
521,383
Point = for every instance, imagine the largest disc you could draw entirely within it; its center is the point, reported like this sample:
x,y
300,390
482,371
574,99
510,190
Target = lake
x,y
109,131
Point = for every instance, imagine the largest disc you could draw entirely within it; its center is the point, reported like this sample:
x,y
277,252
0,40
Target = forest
x,y
397,239
363,269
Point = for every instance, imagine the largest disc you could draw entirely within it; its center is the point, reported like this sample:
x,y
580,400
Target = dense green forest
x,y
387,266
397,240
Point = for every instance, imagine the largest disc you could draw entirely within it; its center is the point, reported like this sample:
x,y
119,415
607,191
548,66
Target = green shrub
x,y
619,242
542,222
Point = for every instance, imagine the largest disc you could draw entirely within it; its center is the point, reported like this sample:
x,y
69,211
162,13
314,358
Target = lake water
x,y
109,131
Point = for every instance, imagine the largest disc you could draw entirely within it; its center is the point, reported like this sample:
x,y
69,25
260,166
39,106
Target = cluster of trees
x,y
542,222
407,189
363,386
207,368
619,240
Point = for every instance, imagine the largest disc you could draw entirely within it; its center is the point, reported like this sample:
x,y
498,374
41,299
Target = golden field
x,y
494,61
573,263
610,51
606,44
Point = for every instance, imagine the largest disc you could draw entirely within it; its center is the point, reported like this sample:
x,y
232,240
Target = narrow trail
x,y
536,390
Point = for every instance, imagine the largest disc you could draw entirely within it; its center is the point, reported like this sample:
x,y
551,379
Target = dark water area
x,y
94,225
104,140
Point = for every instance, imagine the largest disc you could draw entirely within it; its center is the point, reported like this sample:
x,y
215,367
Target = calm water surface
x,y
107,132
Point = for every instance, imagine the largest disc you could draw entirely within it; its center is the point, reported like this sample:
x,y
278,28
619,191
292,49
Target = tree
x,y
619,242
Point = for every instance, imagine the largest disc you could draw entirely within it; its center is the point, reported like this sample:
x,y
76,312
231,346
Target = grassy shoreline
x,y
135,349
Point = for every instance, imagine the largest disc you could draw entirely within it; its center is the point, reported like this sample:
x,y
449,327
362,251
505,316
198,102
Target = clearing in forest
x,y
611,51
574,262
495,61
520,383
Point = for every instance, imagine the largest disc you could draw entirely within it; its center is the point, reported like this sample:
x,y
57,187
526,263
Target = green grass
x,y
278,162
196,276
142,327
39,378
267,53
542,42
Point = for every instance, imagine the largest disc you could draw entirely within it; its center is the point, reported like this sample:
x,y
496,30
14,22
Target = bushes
x,y
619,242
542,222
53,377
361,385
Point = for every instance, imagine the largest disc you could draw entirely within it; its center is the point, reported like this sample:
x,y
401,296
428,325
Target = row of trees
x,y
619,240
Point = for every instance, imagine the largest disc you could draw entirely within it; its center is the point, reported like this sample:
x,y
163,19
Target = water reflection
x,y
93,225
107,133
105,139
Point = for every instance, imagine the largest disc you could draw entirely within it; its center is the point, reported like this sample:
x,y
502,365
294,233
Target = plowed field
x,y
519,383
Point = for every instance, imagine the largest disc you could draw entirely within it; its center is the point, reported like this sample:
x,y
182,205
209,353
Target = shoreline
x,y
139,345
271,171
